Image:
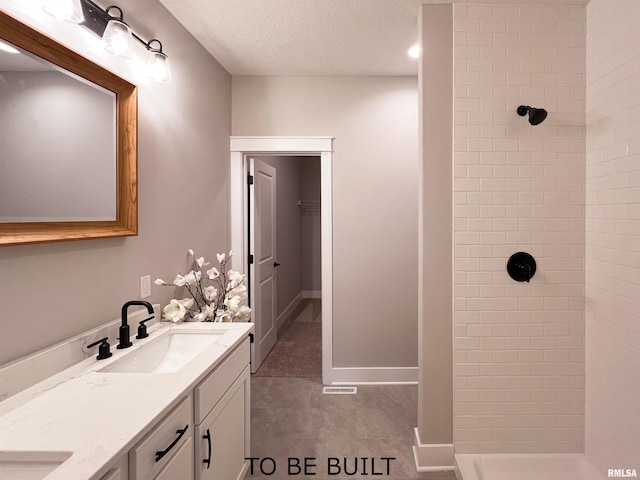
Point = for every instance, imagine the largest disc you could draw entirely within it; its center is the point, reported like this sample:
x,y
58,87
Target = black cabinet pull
x,y
207,437
276,264
180,433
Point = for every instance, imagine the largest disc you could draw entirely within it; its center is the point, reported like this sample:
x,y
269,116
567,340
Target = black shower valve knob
x,y
521,266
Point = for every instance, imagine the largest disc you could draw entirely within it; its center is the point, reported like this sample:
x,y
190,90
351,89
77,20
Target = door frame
x,y
242,146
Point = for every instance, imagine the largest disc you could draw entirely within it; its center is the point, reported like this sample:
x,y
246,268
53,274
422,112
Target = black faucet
x,y
124,341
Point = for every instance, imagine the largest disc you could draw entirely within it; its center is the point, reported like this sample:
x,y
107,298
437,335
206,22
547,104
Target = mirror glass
x,y
57,143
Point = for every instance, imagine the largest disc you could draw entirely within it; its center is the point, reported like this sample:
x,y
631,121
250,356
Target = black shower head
x,y
536,115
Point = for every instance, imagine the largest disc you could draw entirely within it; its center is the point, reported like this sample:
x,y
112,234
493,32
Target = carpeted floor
x,y
298,351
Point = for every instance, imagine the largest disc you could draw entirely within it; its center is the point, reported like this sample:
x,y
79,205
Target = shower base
x,y
555,466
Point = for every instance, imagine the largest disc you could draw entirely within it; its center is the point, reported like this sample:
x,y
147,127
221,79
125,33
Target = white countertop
x,y
98,416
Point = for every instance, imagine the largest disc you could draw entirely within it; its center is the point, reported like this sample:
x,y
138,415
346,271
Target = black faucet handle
x,y
104,350
142,328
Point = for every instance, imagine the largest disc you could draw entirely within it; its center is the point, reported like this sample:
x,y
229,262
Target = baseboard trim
x,y
284,316
374,375
312,294
432,457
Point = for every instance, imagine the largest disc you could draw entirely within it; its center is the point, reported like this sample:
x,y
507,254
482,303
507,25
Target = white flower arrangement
x,y
215,295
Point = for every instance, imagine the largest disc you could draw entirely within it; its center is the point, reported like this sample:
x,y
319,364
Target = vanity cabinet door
x,y
223,436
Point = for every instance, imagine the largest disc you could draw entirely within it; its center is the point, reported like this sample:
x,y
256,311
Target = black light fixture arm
x,y
96,19
152,49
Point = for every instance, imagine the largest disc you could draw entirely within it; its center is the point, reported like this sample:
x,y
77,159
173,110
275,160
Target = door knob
x,y
275,264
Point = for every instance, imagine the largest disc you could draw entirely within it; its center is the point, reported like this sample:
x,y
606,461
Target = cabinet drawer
x,y
142,458
212,388
180,467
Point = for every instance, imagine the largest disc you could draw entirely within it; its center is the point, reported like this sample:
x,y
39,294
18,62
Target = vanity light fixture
x,y
116,35
414,51
67,10
158,63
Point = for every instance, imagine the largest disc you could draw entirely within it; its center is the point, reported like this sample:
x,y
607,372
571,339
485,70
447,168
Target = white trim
x,y
326,245
288,145
374,375
289,310
306,146
432,457
312,294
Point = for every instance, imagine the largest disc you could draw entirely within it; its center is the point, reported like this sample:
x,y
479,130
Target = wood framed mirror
x,y
122,221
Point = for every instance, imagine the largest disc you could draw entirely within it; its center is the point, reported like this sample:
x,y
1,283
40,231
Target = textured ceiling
x,y
310,37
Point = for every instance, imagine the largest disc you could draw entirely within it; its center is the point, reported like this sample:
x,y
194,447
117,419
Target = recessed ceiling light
x,y
8,48
414,52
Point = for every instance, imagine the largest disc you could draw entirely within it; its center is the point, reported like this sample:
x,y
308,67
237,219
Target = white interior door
x,y
262,221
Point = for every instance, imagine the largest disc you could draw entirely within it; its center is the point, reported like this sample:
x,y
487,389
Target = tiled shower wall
x,y
519,347
613,235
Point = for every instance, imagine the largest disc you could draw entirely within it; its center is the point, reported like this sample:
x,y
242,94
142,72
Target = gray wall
x,y
49,292
375,165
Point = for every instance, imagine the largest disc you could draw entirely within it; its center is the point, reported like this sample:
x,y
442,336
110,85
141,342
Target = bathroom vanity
x,y
175,406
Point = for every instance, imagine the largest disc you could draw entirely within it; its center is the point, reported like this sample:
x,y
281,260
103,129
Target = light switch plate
x,y
145,286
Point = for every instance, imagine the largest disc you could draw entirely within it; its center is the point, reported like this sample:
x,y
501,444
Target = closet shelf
x,y
309,208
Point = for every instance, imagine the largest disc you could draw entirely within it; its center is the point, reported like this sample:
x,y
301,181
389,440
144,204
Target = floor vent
x,y
340,390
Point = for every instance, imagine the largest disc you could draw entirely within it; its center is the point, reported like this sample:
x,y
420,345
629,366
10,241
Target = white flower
x,y
243,314
192,277
219,302
233,275
201,263
177,309
209,311
239,291
235,279
213,273
210,293
180,281
232,303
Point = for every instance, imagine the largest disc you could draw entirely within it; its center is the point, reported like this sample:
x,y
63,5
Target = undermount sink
x,y
166,354
30,465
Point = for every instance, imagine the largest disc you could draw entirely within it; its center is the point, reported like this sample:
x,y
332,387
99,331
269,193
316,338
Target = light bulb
x,y
158,67
117,39
67,10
